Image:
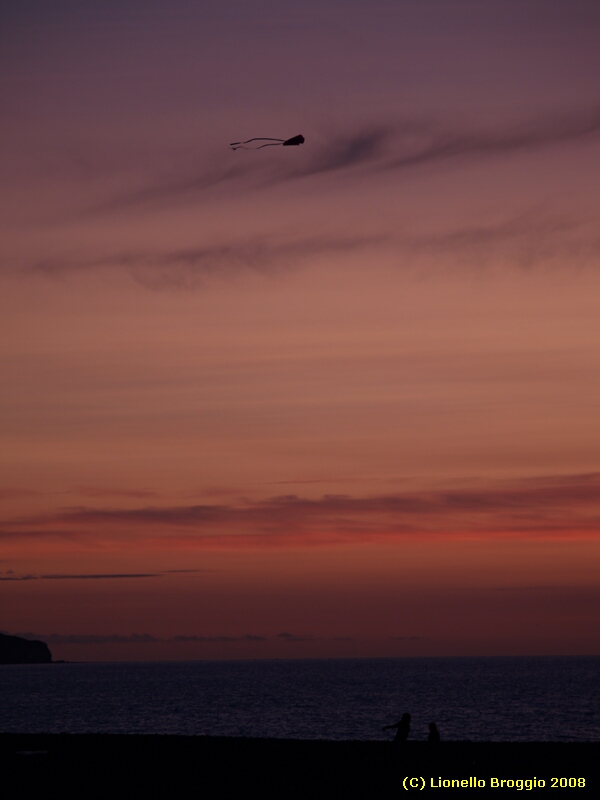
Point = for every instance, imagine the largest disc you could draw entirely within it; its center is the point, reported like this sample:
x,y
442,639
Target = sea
x,y
476,699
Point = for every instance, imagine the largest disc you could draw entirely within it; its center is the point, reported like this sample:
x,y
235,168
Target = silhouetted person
x,y
434,734
402,728
433,747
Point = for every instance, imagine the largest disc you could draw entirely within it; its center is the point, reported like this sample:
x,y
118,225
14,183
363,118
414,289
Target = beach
x,y
109,765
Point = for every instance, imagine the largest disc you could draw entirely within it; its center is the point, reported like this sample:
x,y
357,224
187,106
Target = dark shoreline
x,y
81,765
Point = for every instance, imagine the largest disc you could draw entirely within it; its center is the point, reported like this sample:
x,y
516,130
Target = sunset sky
x,y
340,399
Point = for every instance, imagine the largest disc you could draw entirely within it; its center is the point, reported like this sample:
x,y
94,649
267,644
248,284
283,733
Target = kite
x,y
268,142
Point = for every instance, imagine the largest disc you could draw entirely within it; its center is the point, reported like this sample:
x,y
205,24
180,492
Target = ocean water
x,y
477,699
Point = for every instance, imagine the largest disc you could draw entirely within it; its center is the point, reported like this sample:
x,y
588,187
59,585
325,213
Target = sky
x,y
332,400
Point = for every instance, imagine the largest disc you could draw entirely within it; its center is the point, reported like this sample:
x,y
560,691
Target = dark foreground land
x,y
113,766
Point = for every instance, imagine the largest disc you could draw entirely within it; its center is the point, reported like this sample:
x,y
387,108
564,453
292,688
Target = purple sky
x,y
346,392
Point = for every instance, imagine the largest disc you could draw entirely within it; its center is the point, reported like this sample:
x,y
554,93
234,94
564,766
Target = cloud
x,y
10,575
93,491
383,145
256,170
406,143
528,239
544,506
185,571
39,533
524,240
10,493
246,638
346,151
191,268
134,638
291,637
81,638
406,638
147,638
177,189
420,144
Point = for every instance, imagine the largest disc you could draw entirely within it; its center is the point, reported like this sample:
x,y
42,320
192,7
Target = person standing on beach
x,y
402,728
433,748
434,734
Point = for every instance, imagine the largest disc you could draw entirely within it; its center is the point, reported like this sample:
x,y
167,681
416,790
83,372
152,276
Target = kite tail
x,y
269,142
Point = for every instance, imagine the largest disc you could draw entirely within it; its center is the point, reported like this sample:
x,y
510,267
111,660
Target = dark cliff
x,y
15,650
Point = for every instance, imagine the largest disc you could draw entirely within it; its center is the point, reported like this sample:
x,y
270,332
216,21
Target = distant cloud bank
x,y
146,638
548,506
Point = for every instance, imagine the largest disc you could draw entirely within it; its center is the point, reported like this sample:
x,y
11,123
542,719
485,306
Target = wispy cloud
x,y
421,144
12,576
177,189
191,268
409,144
10,493
99,491
292,637
525,240
384,145
147,638
346,151
406,638
545,506
114,638
256,170
249,637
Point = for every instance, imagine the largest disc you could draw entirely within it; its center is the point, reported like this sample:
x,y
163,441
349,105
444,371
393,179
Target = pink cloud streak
x,y
560,506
